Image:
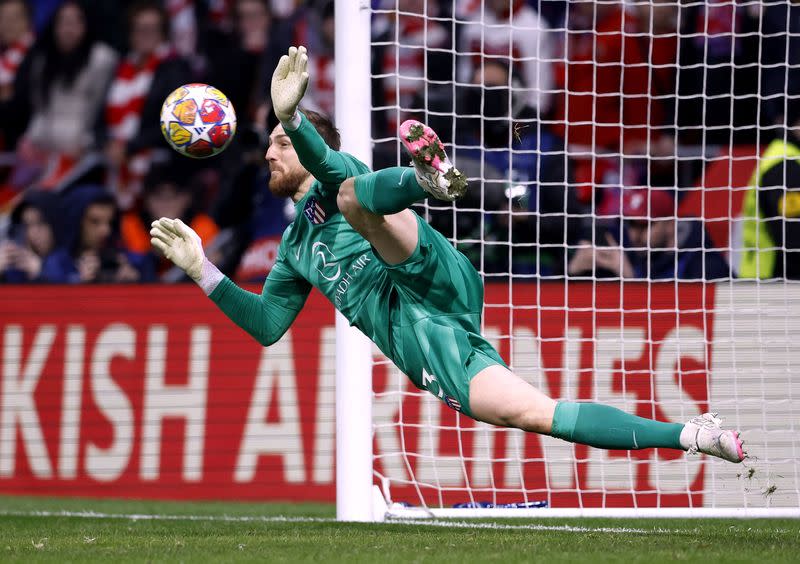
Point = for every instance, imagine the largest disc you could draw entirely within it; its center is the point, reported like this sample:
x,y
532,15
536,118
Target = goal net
x,y
611,148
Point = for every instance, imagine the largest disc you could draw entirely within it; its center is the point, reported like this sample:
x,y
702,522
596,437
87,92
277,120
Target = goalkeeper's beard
x,y
286,184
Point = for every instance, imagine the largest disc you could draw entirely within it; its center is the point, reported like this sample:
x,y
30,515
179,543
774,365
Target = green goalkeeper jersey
x,y
424,314
319,249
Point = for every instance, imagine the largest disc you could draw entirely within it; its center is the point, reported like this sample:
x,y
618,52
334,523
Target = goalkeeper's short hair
x,y
324,127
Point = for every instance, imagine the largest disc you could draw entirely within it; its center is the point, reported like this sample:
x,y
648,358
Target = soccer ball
x,y
198,120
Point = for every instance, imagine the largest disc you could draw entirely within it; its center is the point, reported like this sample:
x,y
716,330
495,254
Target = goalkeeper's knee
x,y
346,199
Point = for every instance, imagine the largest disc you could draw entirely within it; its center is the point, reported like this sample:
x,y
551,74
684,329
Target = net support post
x,y
354,495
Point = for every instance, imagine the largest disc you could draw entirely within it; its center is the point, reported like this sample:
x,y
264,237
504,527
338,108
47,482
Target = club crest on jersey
x,y
314,212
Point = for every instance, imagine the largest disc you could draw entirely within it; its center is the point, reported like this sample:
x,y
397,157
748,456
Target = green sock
x,y
603,426
389,190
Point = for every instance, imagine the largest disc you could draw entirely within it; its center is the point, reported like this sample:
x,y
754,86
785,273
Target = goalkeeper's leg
x,y
375,204
498,396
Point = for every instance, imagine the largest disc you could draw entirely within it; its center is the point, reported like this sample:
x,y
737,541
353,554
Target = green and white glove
x,y
180,244
289,83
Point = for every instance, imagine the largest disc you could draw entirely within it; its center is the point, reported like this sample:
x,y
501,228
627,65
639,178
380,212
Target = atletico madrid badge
x,y
314,212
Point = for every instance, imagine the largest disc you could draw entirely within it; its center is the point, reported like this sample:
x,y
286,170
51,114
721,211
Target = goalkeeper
x,y
400,281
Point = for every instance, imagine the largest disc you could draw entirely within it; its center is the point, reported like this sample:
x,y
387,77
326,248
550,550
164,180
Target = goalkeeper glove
x,y
180,244
289,82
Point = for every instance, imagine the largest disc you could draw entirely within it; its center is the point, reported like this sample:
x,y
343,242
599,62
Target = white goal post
x,y
669,350
353,358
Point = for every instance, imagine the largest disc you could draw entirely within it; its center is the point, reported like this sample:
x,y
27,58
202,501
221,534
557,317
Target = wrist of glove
x,y
293,122
210,277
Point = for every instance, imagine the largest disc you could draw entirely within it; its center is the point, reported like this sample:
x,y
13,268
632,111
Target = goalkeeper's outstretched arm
x,y
266,317
289,82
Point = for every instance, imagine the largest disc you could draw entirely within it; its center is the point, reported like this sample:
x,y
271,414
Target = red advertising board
x,y
150,392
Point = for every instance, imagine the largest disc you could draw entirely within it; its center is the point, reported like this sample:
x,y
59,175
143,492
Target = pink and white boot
x,y
435,173
705,434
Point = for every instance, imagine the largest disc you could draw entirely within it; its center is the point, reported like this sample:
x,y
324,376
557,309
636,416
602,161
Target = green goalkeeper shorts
x,y
435,317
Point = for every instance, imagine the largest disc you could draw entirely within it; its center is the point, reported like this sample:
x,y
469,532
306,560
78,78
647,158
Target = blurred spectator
x,y
534,197
780,52
69,76
656,245
31,237
610,87
314,27
90,248
657,32
182,26
603,103
512,32
43,11
718,74
285,8
168,192
771,228
219,14
413,42
238,63
147,75
106,18
553,11
16,38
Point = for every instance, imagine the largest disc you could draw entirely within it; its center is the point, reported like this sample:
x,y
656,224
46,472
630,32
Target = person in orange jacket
x,y
168,191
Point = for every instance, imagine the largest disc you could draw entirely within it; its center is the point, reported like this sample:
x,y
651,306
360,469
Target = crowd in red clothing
x,y
554,107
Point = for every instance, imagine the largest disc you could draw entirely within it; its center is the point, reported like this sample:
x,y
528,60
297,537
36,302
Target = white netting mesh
x,y
611,149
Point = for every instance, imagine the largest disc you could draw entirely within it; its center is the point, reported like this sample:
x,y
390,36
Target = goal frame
x,y
358,498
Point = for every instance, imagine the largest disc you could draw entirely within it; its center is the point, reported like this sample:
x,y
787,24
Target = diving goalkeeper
x,y
400,281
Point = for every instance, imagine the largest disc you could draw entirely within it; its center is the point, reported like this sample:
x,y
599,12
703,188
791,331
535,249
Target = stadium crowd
x,y
584,126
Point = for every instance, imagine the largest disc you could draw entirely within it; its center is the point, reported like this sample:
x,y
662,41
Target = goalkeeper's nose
x,y
271,156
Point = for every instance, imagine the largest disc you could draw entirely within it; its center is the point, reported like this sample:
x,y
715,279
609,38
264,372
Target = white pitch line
x,y
284,519
536,527
156,517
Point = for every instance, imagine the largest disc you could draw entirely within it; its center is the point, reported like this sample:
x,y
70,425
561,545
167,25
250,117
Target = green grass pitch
x,y
62,530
